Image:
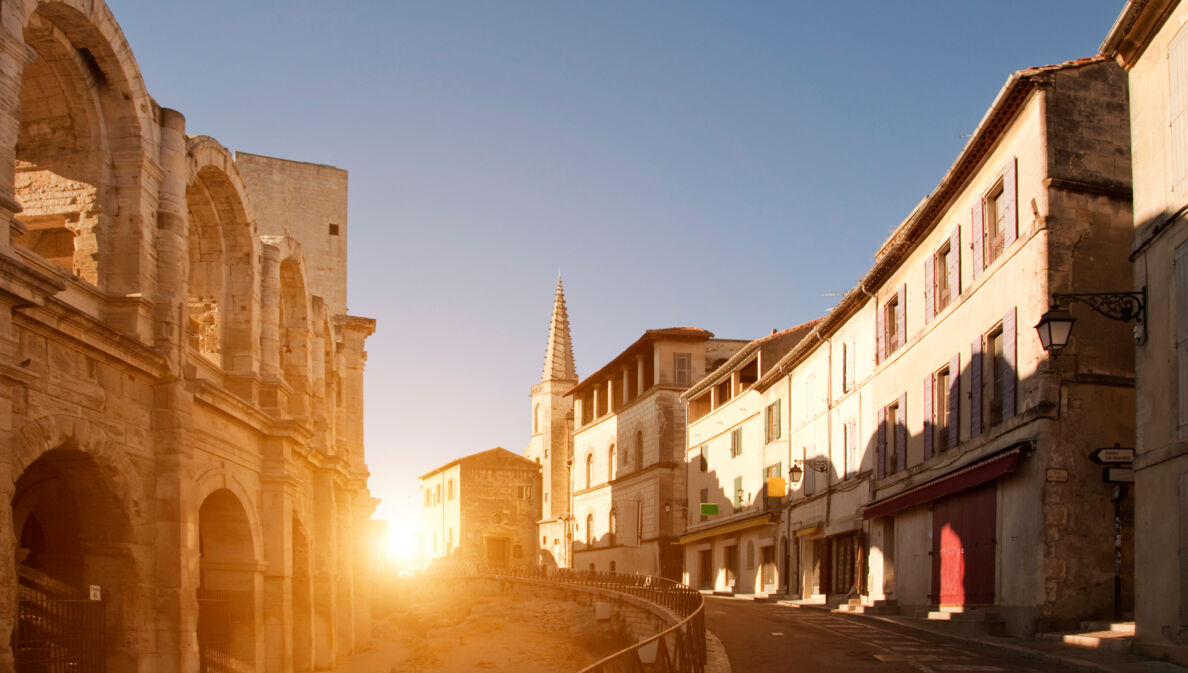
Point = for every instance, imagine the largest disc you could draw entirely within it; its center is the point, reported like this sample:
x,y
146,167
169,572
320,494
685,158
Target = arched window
x,y
639,449
610,463
589,530
612,526
589,468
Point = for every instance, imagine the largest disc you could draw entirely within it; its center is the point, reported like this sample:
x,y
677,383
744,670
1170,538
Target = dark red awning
x,y
971,475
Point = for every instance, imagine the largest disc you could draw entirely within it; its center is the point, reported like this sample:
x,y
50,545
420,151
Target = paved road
x,y
768,637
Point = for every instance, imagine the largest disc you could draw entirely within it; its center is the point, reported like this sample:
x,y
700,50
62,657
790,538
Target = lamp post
x,y
796,472
1055,326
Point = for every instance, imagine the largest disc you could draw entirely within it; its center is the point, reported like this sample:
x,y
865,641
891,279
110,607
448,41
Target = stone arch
x,y
79,520
228,627
223,247
78,142
217,478
287,329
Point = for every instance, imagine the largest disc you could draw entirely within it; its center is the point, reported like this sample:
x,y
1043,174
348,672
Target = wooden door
x,y
963,539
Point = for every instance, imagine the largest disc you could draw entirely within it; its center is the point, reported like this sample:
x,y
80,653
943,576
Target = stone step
x,y
1115,641
1105,625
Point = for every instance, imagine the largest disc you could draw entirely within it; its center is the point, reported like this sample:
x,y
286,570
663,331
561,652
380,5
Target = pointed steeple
x,y
558,363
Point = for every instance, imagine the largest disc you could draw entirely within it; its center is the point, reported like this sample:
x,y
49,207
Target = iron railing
x,y
678,649
57,631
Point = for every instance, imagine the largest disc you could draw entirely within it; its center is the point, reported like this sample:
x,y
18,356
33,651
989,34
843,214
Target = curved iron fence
x,y
678,649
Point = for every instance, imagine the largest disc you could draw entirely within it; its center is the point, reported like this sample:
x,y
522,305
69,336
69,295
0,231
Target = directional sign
x,y
1113,455
1117,475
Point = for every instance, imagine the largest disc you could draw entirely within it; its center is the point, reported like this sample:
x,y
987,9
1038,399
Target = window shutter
x,y
975,388
901,434
955,263
929,288
954,399
901,317
880,334
1010,187
881,443
929,382
778,427
1010,374
1180,308
767,426
978,234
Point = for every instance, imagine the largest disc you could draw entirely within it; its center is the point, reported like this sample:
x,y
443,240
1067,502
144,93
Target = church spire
x,y
558,363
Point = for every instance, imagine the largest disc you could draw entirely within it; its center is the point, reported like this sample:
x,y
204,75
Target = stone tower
x,y
551,444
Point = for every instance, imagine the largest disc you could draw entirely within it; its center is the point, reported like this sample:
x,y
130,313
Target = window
x,y
772,472
773,422
589,468
682,369
941,391
437,494
524,492
450,489
995,219
748,374
891,324
992,379
941,286
722,393
536,419
589,530
611,526
994,210
735,442
704,458
428,498
610,463
333,229
704,496
850,441
738,494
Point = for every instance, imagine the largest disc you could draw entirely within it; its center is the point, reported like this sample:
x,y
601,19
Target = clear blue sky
x,y
727,165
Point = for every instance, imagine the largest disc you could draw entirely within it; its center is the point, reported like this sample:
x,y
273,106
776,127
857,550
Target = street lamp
x,y
1055,326
795,473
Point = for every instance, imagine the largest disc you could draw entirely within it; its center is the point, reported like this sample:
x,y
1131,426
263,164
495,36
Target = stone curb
x,y
1022,649
716,660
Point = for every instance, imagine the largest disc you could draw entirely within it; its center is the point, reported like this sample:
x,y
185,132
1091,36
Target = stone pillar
x,y
350,426
270,302
323,549
176,506
277,524
170,312
344,568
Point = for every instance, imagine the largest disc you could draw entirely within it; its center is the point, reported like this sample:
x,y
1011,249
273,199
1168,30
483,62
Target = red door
x,y
963,529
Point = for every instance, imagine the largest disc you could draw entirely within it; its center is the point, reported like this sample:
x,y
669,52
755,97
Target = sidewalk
x,y
1095,659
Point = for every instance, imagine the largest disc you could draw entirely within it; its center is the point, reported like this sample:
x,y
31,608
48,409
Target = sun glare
x,y
402,544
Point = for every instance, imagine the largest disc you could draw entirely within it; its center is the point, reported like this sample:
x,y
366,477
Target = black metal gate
x,y
57,630
214,632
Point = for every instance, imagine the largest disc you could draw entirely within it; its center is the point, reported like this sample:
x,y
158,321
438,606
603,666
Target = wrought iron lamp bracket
x,y
1124,306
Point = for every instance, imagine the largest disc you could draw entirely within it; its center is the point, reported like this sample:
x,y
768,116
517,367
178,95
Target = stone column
x,y
270,302
350,426
176,506
323,546
277,524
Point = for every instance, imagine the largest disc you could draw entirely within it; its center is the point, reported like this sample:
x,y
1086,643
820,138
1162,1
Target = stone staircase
x,y
1105,635
969,620
855,606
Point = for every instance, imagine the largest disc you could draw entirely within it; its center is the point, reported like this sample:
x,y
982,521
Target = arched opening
x,y
610,463
227,585
76,576
589,468
589,530
295,333
612,526
302,601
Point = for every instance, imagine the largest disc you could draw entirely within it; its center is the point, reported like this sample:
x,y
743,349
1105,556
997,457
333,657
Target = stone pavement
x,y
1096,659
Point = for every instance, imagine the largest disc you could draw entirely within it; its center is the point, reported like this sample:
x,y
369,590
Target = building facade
x,y
628,477
940,457
1148,40
182,387
483,509
736,445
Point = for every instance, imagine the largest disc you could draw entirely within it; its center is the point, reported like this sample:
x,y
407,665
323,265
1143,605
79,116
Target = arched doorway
x,y
228,574
76,571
